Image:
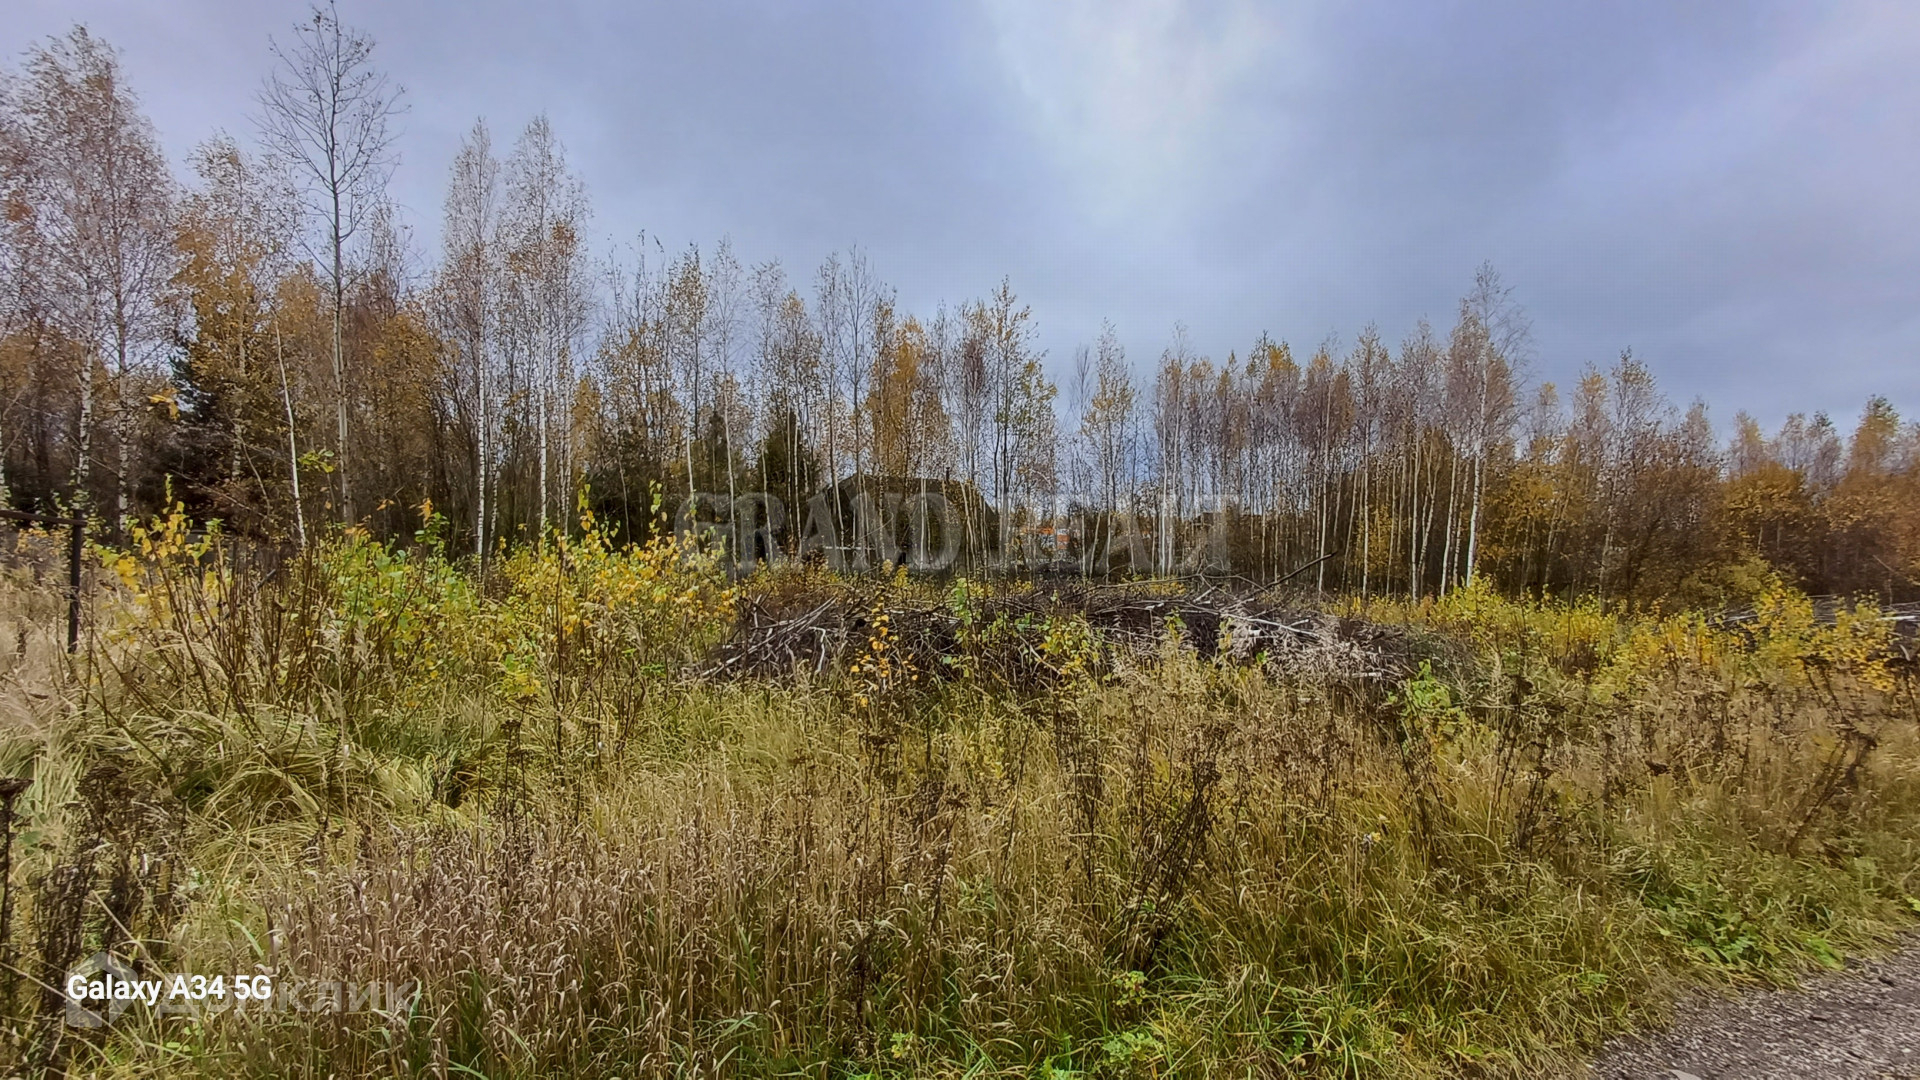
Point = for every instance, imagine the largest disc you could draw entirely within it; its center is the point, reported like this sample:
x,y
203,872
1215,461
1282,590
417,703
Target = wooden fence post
x,y
76,552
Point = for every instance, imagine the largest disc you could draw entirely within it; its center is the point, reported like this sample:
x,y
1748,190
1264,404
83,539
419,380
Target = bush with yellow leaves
x,y
880,670
582,602
356,645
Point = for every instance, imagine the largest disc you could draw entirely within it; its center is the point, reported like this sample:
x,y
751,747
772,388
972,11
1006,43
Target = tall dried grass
x,y
1161,865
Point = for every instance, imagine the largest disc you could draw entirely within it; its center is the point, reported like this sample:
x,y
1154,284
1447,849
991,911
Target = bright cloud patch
x,y
1138,99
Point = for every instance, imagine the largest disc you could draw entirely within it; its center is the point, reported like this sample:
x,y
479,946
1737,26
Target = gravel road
x,y
1861,1024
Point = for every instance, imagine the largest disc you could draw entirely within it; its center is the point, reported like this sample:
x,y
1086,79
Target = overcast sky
x,y
1730,189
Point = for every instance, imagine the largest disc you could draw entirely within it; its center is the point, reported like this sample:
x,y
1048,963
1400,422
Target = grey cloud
x,y
1727,188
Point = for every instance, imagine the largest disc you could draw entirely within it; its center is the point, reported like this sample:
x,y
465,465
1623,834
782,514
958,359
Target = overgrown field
x,y
614,815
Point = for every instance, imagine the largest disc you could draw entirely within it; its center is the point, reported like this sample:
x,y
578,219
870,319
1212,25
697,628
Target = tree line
x,y
258,340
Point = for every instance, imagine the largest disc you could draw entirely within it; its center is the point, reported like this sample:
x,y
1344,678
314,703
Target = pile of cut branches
x,y
823,628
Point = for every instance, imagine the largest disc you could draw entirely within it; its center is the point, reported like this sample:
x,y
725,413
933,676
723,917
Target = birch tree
x,y
467,301
548,299
329,111
789,365
1016,392
724,310
1491,339
89,212
1106,426
684,331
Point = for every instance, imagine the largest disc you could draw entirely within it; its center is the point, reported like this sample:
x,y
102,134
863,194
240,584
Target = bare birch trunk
x,y
545,407
293,450
483,457
83,459
1473,517
340,367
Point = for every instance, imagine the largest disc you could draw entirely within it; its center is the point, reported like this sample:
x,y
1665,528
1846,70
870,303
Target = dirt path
x,y
1861,1023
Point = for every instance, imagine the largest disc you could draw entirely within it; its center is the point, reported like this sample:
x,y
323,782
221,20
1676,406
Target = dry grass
x,y
1161,864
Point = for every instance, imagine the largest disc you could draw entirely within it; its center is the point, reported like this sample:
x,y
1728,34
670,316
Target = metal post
x,y
77,533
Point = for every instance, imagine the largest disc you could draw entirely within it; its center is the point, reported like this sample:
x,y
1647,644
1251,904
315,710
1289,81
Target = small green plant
x,y
1427,703
1133,1051
1061,851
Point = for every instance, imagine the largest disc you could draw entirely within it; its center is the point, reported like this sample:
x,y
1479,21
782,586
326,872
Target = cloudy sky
x,y
1731,189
